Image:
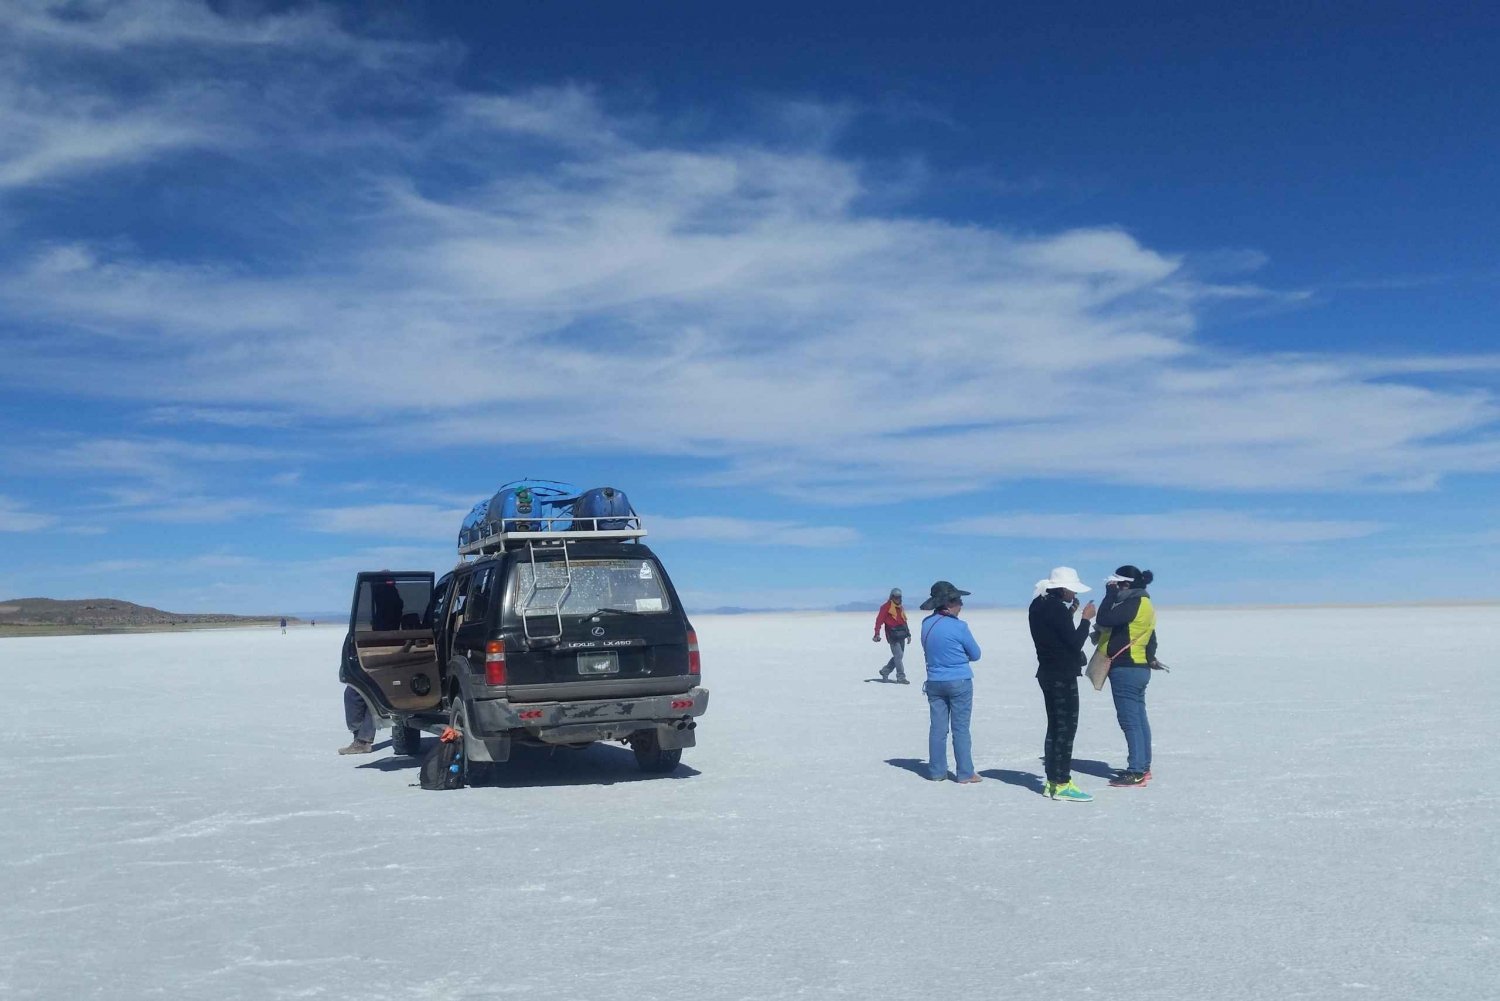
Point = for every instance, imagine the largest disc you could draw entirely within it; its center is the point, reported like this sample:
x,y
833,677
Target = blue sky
x,y
844,296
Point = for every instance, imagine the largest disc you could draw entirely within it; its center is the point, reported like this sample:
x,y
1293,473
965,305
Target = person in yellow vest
x,y
1127,628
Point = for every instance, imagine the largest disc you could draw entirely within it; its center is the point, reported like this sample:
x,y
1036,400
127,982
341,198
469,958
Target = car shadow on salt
x,y
597,764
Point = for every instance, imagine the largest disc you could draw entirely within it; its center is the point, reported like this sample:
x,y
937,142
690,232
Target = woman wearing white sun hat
x,y
1059,662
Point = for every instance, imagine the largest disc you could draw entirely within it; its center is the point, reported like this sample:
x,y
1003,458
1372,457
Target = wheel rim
x,y
459,720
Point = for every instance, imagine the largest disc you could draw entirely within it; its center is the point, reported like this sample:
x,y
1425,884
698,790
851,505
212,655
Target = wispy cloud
x,y
1174,526
15,517
710,528
393,521
739,301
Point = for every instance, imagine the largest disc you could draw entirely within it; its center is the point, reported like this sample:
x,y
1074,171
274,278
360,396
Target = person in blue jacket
x,y
949,648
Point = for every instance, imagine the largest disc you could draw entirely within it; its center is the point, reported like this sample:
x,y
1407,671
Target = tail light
x,y
494,662
695,662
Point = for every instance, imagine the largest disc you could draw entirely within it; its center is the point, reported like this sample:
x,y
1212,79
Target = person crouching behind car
x,y
949,648
897,633
1059,662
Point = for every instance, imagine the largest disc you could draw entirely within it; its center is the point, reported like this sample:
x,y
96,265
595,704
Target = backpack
x,y
443,768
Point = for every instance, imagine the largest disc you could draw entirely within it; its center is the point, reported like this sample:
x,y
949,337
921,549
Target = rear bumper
x,y
584,720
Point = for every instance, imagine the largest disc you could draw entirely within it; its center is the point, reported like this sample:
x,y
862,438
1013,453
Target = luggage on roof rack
x,y
538,510
602,509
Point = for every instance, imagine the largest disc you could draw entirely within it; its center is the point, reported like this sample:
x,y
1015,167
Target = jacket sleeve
x,y
880,620
970,647
1117,613
1069,636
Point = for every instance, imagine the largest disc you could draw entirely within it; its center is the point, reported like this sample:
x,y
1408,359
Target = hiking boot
x,y
358,747
1130,779
1071,793
902,681
885,674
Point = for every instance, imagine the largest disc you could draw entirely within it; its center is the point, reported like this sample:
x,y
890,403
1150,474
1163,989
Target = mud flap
x,y
496,750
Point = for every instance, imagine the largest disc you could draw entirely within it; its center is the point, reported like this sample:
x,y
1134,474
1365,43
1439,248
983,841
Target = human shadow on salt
x,y
916,766
1030,781
399,762
1098,769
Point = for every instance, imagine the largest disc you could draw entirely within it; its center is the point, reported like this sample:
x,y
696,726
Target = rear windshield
x,y
627,585
392,602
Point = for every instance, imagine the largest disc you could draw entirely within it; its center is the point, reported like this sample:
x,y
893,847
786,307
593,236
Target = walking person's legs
x,y
961,705
898,652
937,729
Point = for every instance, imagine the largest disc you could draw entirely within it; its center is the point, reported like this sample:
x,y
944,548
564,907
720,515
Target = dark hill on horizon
x,y
51,616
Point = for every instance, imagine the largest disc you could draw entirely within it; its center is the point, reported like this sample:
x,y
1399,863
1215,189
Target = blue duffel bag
x,y
602,509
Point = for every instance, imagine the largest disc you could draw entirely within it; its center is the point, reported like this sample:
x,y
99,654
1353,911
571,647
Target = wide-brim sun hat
x,y
942,593
1063,577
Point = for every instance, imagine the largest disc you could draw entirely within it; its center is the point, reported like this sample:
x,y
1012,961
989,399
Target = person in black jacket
x,y
1059,662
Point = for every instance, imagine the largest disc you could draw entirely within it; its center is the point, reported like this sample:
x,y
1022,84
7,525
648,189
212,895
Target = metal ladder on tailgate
x,y
559,592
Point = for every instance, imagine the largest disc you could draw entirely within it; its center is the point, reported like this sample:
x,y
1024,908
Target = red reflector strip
x,y
531,714
682,703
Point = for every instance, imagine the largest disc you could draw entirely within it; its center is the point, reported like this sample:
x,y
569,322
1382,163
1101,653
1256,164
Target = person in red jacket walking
x,y
897,633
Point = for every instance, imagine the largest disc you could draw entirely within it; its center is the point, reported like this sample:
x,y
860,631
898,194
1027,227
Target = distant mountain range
x,y
20,616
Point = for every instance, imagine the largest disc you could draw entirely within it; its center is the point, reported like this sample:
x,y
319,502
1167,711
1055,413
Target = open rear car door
x,y
393,660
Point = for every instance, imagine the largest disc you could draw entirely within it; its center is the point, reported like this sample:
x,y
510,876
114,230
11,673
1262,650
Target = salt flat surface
x,y
1323,824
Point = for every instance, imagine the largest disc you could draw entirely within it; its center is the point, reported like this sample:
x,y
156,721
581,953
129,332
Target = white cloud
x,y
615,288
711,528
1175,526
400,521
14,517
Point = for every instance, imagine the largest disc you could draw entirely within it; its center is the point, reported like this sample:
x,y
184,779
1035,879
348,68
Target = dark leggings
x,y
1060,696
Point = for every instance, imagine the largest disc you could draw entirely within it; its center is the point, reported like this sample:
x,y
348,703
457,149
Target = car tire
x,y
474,772
406,740
650,756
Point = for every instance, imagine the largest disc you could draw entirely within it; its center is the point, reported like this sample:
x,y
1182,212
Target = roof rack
x,y
547,529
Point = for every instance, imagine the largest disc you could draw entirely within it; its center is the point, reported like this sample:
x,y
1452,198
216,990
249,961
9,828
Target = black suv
x,y
557,642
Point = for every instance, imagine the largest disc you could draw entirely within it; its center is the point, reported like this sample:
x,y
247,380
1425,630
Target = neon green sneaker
x,y
1049,789
1070,792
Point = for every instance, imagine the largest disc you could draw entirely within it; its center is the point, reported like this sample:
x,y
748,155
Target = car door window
x,y
459,600
388,602
479,595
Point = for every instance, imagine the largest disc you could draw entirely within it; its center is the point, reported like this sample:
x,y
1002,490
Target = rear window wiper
x,y
616,611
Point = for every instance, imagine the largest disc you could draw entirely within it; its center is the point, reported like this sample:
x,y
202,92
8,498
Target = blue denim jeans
x,y
950,704
1128,686
357,715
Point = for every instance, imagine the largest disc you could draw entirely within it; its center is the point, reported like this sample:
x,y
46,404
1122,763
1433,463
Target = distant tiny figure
x,y
1127,628
283,627
897,633
361,722
311,623
1059,662
949,648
